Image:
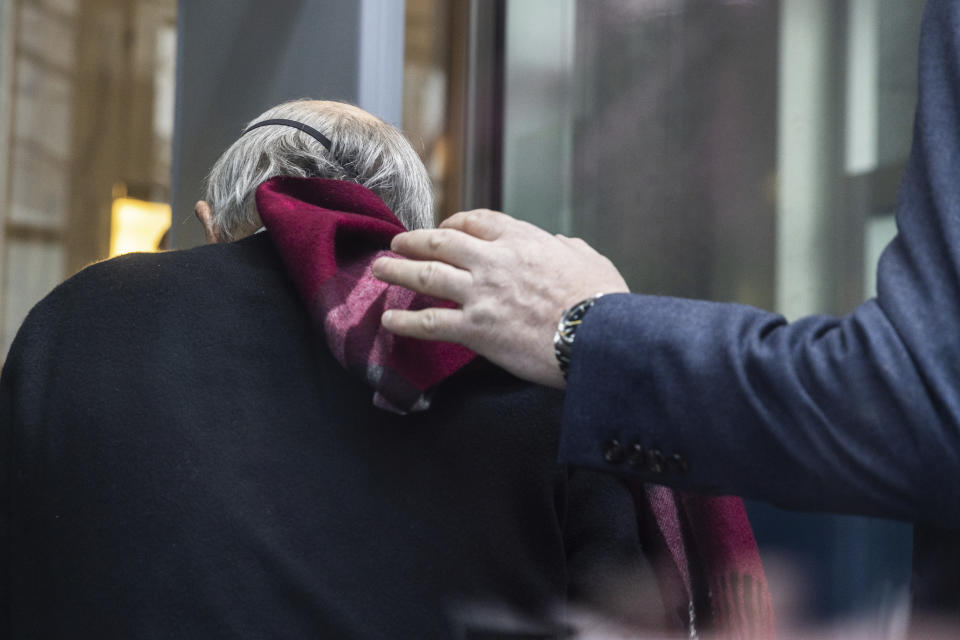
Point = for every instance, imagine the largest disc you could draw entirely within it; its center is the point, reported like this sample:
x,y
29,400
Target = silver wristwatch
x,y
567,331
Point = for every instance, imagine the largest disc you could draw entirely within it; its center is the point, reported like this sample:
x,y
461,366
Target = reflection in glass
x,y
733,150
88,103
138,225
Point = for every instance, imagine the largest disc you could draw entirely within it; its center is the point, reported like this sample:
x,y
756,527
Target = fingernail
x,y
387,315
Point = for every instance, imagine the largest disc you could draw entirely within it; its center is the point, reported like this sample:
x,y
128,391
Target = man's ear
x,y
205,216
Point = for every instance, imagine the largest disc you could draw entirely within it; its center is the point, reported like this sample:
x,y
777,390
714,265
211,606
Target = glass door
x,y
730,150
86,120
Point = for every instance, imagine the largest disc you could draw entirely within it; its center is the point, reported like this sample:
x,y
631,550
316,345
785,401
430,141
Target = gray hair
x,y
364,150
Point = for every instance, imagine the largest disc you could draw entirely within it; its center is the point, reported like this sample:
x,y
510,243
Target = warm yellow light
x,y
137,225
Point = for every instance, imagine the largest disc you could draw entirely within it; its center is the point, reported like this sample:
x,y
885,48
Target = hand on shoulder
x,y
511,279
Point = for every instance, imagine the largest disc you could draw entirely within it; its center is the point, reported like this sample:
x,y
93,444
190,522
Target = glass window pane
x,y
734,150
88,98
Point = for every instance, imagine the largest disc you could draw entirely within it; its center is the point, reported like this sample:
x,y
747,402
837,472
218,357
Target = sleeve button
x,y
655,461
613,452
635,455
680,463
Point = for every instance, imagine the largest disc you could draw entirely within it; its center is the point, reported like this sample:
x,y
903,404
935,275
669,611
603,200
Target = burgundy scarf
x,y
704,546
329,232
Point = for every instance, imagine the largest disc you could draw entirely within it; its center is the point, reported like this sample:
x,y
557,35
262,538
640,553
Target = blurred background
x,y
741,150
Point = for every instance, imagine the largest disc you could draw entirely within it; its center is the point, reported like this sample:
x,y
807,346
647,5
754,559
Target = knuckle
x,y
429,322
456,221
489,282
427,274
480,315
436,240
476,219
530,259
484,222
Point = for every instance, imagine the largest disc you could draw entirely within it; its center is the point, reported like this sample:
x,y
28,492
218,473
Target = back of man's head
x,y
363,149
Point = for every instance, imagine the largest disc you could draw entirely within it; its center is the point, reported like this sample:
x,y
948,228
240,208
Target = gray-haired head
x,y
364,149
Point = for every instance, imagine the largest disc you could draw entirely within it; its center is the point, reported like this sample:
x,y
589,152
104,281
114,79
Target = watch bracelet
x,y
566,332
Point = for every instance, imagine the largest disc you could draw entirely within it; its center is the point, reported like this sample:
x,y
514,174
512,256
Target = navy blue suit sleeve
x,y
858,414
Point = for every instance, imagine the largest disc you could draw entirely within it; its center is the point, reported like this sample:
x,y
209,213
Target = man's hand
x,y
512,280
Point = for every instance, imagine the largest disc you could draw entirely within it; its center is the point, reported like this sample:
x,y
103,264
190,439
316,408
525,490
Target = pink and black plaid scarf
x,y
704,545
329,232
